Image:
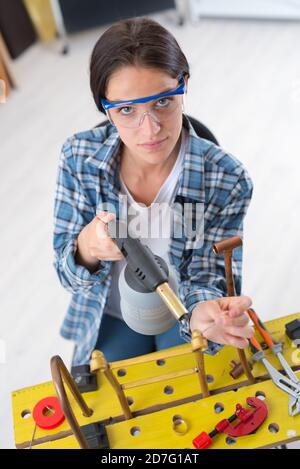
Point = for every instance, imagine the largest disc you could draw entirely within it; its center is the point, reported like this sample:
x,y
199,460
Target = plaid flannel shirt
x,y
88,179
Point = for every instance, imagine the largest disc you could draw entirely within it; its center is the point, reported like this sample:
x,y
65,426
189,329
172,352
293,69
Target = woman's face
x,y
151,142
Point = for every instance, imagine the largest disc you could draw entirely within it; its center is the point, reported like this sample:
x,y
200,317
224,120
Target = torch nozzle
x,y
171,300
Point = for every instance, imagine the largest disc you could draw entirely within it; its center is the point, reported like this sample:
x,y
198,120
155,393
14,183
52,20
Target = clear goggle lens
x,y
132,116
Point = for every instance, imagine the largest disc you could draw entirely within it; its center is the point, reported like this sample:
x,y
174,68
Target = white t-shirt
x,y
150,224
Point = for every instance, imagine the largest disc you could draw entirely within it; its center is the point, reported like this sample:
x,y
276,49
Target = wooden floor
x,y
245,86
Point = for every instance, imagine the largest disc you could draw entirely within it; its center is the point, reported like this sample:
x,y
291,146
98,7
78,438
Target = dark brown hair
x,y
136,41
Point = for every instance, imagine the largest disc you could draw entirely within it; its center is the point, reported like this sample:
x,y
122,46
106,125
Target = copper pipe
x,y
199,344
228,272
60,372
246,366
237,368
226,247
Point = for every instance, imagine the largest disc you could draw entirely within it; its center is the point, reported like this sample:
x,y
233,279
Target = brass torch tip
x,y
171,300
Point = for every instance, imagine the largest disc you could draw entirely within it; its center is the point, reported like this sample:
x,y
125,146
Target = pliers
x,y
289,383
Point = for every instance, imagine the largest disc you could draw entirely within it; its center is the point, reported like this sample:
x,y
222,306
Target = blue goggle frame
x,y
181,88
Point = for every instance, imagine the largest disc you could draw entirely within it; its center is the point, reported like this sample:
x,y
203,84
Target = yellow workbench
x,y
156,405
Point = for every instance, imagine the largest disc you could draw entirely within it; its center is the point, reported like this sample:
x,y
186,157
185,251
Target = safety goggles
x,y
129,114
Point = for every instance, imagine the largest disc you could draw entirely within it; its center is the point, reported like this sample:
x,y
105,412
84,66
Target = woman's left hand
x,y
224,320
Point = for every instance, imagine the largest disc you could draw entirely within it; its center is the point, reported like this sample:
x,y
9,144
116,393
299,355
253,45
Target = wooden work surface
x,y
155,404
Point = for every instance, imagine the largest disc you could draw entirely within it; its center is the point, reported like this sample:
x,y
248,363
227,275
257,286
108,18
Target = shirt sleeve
x,y
203,276
72,212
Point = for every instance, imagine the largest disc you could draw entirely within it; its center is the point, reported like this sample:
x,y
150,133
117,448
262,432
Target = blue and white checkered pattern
x,y
88,179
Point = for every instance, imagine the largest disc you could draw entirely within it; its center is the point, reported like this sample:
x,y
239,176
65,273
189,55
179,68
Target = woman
x,y
148,152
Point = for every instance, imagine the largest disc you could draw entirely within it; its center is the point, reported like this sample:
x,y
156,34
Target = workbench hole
x,y
135,431
160,362
209,378
260,395
48,411
25,414
230,441
273,428
218,407
168,390
121,372
180,426
129,400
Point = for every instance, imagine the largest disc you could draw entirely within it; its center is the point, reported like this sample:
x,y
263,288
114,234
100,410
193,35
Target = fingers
x,y
237,342
109,249
101,227
223,337
106,216
210,312
238,327
242,332
235,305
112,257
239,321
239,305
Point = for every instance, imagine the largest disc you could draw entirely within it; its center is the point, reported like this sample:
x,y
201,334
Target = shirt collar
x,y
101,156
105,158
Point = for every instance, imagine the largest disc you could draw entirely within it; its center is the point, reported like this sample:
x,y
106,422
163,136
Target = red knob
x,y
202,441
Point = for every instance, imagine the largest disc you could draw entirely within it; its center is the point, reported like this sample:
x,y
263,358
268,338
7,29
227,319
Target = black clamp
x,y
85,380
96,435
292,329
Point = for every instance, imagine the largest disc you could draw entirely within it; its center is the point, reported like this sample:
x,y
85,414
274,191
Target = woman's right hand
x,y
94,243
